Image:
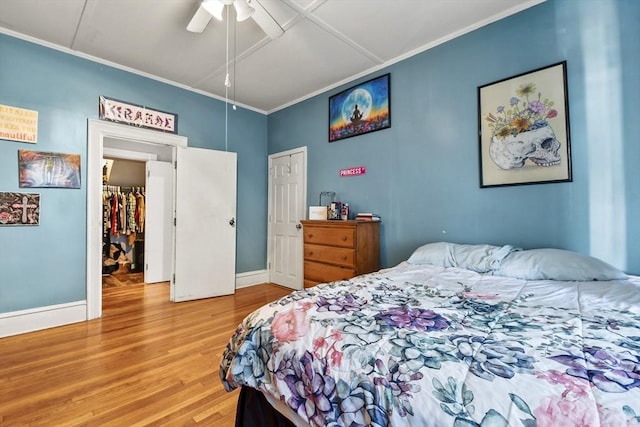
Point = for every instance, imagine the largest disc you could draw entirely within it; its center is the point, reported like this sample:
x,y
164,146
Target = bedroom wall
x,y
423,173
45,265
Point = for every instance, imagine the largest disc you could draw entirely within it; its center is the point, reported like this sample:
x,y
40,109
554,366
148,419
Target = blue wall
x,y
46,264
423,173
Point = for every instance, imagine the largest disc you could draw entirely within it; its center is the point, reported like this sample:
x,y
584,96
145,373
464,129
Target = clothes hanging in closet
x,y
123,217
123,211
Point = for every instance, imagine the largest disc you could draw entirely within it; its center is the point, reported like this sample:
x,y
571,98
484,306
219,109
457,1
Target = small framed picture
x,y
19,208
524,128
45,169
360,109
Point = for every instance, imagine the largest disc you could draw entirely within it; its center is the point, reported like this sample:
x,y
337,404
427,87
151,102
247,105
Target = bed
x,y
456,335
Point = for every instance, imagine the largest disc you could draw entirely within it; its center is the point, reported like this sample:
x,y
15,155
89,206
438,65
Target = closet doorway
x,y
138,214
204,212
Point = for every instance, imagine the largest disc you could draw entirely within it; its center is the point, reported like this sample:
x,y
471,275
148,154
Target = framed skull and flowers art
x,y
524,128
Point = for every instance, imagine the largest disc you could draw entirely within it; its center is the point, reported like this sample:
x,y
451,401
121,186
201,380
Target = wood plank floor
x,y
147,361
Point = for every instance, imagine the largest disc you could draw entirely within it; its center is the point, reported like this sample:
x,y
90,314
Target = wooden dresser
x,y
338,250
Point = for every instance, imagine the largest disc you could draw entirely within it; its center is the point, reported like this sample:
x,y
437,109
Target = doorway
x,y
125,217
138,205
204,185
124,142
287,206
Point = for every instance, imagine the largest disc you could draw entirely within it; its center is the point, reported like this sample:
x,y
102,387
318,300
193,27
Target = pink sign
x,y
358,170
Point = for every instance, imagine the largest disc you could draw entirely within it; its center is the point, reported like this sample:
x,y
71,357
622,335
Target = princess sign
x,y
353,171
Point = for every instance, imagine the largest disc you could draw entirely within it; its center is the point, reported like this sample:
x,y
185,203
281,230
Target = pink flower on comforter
x,y
560,411
578,386
476,295
323,348
557,411
288,326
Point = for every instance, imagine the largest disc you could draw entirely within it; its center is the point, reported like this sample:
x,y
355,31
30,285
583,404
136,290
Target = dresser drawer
x,y
345,257
318,272
339,236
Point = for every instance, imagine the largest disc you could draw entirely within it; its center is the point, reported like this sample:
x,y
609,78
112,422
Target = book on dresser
x,y
339,250
366,216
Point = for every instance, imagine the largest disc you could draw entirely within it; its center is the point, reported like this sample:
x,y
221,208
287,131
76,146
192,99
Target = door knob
x,y
232,222
298,226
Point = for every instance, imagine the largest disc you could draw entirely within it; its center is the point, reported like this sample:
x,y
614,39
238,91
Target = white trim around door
x,y
96,133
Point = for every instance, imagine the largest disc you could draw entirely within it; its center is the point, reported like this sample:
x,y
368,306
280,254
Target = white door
x,y
158,237
287,205
205,234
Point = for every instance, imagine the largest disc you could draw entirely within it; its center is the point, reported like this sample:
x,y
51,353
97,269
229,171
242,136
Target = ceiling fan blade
x,y
265,20
199,21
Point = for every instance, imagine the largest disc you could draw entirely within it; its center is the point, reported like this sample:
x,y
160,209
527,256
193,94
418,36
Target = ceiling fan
x,y
244,9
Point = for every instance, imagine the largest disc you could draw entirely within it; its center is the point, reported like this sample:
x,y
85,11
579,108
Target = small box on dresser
x,y
339,250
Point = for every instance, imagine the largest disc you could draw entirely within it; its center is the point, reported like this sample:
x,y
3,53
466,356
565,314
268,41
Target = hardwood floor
x,y
147,361
120,280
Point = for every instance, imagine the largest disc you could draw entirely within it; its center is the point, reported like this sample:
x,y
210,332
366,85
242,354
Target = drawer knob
x,y
310,235
344,238
310,253
344,258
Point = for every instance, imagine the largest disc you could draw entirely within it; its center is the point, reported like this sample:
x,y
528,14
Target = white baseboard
x,y
251,278
35,319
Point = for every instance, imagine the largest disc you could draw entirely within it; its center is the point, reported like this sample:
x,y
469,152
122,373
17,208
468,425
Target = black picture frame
x,y
523,128
361,109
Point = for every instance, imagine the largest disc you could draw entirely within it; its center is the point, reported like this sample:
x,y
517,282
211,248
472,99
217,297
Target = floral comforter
x,y
420,345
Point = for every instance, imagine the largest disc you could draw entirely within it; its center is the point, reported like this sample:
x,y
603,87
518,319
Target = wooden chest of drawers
x,y
338,250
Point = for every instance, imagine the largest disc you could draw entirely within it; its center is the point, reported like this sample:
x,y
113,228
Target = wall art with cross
x,y
19,208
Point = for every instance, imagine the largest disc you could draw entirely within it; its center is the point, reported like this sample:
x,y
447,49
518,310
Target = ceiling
x,y
326,42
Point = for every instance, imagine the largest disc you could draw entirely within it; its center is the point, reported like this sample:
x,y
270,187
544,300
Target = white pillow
x,y
431,253
479,258
556,264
